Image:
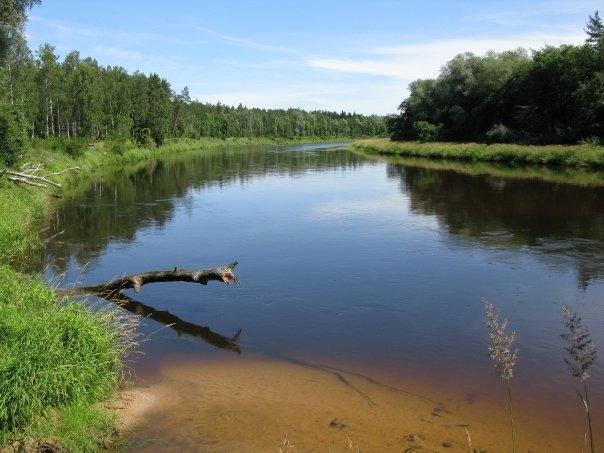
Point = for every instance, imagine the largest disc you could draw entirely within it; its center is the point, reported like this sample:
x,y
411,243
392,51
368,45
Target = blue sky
x,y
336,55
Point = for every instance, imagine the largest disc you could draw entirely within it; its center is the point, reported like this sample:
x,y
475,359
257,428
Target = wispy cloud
x,y
333,96
242,42
66,29
424,59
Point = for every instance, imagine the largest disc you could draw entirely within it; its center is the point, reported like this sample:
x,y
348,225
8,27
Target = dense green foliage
x,y
555,95
12,134
12,18
51,354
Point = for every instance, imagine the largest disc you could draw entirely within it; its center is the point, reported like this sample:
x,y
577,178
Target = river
x,y
362,282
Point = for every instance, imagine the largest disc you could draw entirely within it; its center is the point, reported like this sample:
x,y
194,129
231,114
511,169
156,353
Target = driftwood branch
x,y
222,274
29,176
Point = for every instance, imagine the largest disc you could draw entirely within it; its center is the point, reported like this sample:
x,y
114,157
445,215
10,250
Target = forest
x,y
550,96
74,98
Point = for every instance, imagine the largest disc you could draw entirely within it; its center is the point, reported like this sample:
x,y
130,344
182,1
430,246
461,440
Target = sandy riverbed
x,y
259,404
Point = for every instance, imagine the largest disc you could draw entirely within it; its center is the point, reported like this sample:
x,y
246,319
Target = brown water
x,y
360,301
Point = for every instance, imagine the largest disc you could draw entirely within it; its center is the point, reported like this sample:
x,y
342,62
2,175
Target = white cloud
x,y
242,42
358,97
424,59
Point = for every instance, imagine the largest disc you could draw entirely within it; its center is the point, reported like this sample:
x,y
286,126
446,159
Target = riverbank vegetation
x,y
556,155
57,360
551,96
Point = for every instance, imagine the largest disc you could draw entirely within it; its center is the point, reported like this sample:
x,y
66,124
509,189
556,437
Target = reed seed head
x,y
500,347
581,351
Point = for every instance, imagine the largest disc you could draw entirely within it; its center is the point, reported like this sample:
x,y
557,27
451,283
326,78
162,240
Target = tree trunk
x,y
52,119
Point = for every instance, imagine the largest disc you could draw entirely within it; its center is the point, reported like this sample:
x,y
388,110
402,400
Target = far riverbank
x,y
553,155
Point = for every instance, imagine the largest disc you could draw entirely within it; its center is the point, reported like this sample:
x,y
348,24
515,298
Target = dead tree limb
x,y
32,176
29,176
23,180
222,274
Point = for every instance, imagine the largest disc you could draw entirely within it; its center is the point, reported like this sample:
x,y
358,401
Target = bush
x,y
500,133
12,133
74,147
143,137
592,141
426,132
116,146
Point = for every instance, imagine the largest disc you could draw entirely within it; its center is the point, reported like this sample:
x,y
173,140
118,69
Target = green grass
x,y
20,209
554,155
79,427
58,359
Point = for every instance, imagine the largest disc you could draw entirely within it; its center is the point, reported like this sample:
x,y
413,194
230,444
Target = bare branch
x,y
23,180
30,176
222,274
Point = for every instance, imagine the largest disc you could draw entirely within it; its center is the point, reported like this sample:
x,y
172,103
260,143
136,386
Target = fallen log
x,y
29,176
222,274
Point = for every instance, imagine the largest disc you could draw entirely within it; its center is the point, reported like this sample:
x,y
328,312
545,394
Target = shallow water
x,y
371,266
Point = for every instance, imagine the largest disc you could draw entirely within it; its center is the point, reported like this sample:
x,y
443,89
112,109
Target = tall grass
x,y
570,156
53,354
502,353
581,357
19,210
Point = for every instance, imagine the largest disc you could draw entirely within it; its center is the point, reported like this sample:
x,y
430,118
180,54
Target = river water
x,y
347,262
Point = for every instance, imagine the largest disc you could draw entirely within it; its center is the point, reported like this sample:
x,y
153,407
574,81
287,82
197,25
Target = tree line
x,y
44,96
553,95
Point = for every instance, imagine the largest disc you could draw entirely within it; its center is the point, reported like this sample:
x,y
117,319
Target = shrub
x,y
143,137
116,146
426,132
12,133
74,147
593,141
500,133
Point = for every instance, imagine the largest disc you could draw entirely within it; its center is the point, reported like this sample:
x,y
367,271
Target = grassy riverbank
x,y
555,155
59,360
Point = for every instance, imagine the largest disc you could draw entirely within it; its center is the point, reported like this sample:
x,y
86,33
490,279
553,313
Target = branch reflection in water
x,y
180,326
